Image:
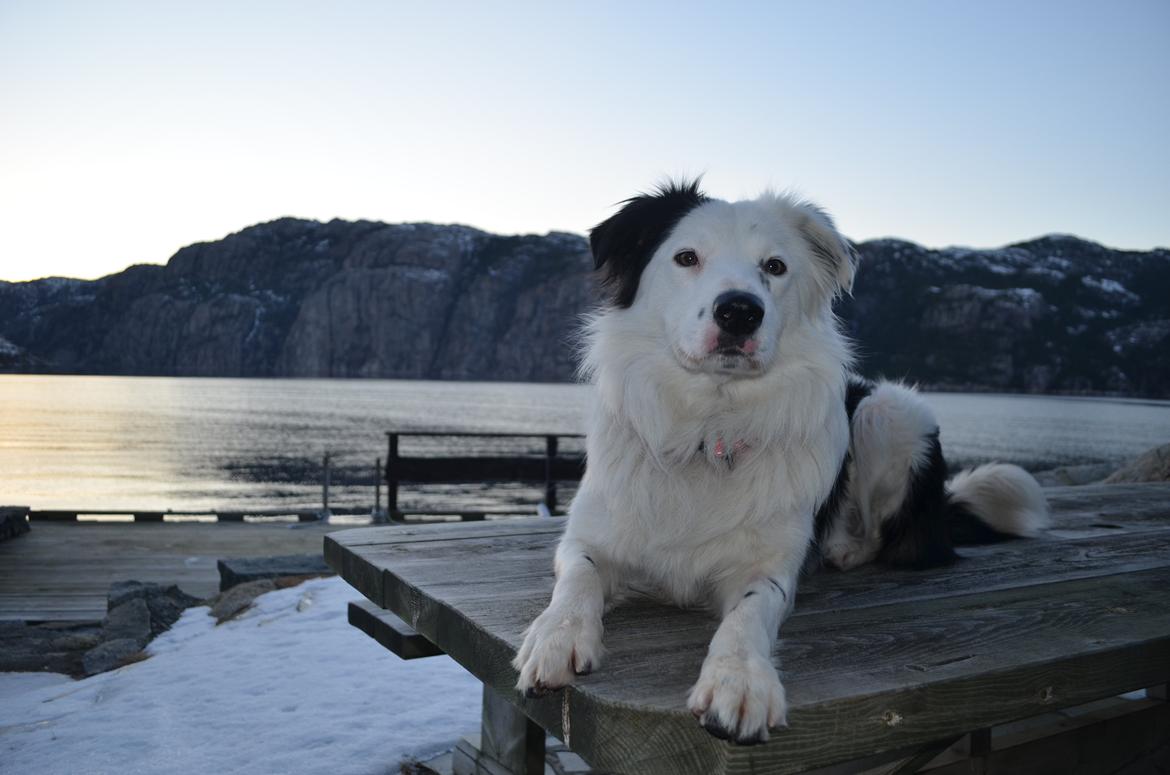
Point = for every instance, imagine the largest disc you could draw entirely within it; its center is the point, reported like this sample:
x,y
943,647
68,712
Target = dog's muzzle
x,y
739,313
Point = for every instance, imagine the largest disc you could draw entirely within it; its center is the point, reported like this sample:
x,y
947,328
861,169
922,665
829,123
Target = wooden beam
x,y
1134,740
898,658
393,633
434,470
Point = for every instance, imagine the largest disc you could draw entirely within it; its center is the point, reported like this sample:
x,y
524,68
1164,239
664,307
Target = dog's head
x,y
724,280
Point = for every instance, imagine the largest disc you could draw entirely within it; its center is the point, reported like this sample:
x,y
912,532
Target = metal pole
x,y
377,486
550,483
391,483
325,488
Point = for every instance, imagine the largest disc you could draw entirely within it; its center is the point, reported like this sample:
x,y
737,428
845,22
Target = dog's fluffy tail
x,y
994,502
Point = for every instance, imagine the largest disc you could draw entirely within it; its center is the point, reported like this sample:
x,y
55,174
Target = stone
x,y
164,603
236,600
122,591
13,521
109,655
570,763
128,621
238,570
54,647
137,613
75,641
1151,466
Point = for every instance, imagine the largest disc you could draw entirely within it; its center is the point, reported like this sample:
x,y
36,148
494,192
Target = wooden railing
x,y
554,466
219,515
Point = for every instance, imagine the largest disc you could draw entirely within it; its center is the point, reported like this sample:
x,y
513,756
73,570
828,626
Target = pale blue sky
x,y
129,129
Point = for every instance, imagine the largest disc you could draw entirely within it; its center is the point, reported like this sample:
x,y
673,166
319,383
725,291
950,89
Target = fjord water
x,y
157,443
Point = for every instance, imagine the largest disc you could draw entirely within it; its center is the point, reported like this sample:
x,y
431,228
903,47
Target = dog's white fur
x,y
661,503
890,432
1005,497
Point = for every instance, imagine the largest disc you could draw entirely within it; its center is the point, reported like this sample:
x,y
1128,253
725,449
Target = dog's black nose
x,y
739,313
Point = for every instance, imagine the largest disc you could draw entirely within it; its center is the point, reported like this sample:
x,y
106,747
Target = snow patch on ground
x,y
287,687
12,684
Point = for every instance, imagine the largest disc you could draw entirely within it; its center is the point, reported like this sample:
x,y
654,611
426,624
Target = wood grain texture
x,y
393,633
1135,743
873,661
518,567
62,571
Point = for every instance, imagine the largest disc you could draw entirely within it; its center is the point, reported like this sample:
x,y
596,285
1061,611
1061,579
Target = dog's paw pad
x,y
738,699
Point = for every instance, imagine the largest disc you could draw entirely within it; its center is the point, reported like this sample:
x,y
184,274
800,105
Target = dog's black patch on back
x,y
918,535
623,244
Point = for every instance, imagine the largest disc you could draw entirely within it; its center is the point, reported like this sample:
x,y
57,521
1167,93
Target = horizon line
x,y
551,232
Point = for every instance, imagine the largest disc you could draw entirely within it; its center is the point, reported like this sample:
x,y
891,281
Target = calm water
x,y
158,443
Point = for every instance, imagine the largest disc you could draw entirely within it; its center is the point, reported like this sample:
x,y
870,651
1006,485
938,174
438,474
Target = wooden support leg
x,y
509,742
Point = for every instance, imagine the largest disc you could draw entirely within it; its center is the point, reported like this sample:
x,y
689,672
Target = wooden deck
x,y
874,660
61,571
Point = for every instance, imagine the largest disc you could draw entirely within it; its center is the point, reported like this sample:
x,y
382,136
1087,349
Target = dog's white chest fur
x,y
662,505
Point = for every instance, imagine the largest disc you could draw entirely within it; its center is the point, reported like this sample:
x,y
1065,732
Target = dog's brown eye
x,y
686,258
775,266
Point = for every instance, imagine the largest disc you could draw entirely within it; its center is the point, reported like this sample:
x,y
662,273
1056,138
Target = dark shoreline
x,y
926,387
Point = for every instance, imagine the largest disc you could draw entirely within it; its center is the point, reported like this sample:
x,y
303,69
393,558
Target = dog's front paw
x,y
739,698
557,646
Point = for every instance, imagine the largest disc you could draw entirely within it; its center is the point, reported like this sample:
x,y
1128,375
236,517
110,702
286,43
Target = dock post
x,y
391,482
378,515
550,482
325,489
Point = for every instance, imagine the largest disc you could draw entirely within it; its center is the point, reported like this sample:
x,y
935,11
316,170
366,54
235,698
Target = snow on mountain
x,y
362,299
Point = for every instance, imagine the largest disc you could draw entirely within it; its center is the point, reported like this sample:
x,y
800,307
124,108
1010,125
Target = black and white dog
x,y
729,442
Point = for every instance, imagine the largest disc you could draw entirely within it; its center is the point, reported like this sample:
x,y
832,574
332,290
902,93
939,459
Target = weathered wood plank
x,y
1045,650
517,570
393,633
509,740
897,659
424,470
402,534
1123,507
62,571
1135,742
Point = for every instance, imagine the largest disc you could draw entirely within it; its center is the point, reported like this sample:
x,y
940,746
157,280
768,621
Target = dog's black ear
x,y
837,255
623,244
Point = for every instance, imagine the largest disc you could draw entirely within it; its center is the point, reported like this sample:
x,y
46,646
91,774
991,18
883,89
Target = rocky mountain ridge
x,y
299,298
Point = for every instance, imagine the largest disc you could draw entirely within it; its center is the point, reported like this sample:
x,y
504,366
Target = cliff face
x,y
300,298
1056,314
341,299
